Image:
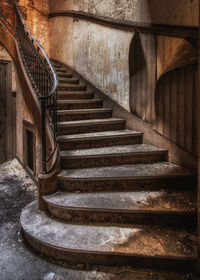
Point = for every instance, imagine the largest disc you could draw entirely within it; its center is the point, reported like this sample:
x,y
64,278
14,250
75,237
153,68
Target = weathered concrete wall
x,y
174,12
37,20
22,114
98,53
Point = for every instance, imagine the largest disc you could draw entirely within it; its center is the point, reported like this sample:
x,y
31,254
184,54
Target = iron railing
x,y
41,73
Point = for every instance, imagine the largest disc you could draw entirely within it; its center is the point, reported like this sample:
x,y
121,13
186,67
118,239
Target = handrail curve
x,y
42,76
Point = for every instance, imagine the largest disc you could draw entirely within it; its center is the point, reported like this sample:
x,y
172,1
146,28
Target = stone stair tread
x,y
107,134
148,241
82,101
137,201
147,170
65,80
124,149
94,121
79,111
70,85
77,92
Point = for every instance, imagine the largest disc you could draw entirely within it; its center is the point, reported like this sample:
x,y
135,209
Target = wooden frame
x,y
10,120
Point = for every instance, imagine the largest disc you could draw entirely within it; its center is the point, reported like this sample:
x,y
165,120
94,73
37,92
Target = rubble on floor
x,y
18,262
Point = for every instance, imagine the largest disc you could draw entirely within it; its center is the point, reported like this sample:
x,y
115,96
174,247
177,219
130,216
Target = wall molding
x,y
161,29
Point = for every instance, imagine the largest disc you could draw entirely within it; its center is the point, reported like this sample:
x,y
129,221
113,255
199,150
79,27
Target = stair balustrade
x,y
41,73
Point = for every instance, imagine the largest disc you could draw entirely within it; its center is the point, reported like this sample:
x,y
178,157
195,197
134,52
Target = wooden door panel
x,y
2,112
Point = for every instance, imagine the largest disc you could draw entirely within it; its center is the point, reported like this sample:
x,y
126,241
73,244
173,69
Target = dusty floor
x,y
19,263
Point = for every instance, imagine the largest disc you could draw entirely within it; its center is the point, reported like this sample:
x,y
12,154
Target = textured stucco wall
x,y
37,20
22,113
175,12
98,53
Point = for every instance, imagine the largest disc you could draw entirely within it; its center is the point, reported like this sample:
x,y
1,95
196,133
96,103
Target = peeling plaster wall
x,y
150,11
37,20
22,113
98,53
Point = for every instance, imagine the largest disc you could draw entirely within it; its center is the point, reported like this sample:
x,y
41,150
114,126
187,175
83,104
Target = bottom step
x,y
146,246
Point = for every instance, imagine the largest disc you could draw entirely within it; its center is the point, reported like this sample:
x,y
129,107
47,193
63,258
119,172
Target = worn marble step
x,y
139,246
79,104
109,156
71,87
68,80
75,95
99,139
84,114
60,70
86,126
177,208
127,177
64,74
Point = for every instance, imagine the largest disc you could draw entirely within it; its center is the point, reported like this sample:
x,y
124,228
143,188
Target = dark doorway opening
x,y
7,113
29,147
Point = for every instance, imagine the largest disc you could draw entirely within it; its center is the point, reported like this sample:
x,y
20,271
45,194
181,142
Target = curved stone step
x,y
145,246
110,156
84,114
64,74
79,104
70,95
68,80
127,177
100,139
71,87
60,70
178,208
87,126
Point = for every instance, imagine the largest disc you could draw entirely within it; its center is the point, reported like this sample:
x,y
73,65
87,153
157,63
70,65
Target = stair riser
x,y
68,81
90,128
125,184
60,70
71,88
98,143
69,256
65,96
77,106
111,160
84,116
64,75
116,218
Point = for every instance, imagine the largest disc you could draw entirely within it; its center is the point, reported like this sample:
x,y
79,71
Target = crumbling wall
x,y
37,20
22,114
174,12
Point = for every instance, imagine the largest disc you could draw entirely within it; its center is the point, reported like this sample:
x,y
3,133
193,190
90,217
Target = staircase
x,y
119,201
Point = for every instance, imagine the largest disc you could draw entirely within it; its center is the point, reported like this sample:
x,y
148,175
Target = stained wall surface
x,y
22,114
101,54
150,11
37,20
96,52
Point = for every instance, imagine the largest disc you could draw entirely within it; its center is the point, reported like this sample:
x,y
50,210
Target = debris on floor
x,y
17,262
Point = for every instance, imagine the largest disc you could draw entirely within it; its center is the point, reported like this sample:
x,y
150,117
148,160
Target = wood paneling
x,y
166,101
3,90
7,113
176,104
142,69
